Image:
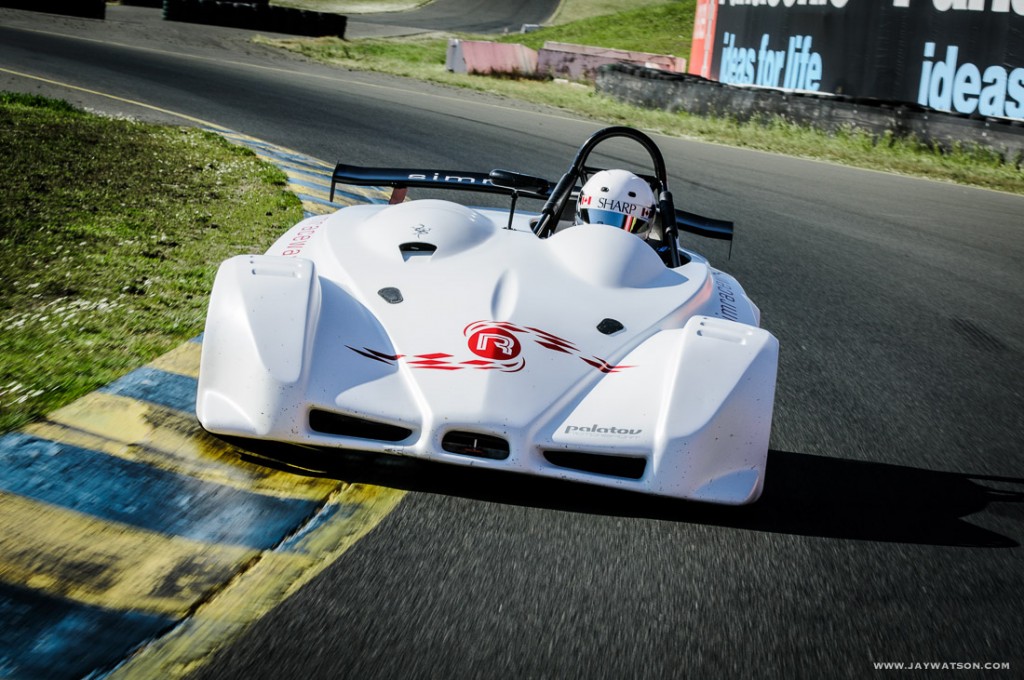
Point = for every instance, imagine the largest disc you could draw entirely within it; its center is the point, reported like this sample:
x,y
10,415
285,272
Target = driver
x,y
619,199
623,200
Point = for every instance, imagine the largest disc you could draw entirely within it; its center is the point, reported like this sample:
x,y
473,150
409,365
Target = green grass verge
x,y
659,27
110,234
665,28
575,10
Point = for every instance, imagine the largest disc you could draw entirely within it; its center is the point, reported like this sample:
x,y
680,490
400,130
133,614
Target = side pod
x,y
701,399
259,330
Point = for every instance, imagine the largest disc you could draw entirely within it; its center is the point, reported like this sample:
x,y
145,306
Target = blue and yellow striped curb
x,y
308,178
134,544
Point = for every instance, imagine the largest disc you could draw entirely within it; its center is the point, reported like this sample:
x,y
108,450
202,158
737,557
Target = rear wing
x,y
402,179
459,180
707,227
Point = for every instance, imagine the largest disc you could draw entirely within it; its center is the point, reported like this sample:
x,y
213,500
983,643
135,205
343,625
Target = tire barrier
x,y
259,16
654,89
88,9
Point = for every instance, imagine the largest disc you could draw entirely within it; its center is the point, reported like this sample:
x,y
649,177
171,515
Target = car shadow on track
x,y
804,494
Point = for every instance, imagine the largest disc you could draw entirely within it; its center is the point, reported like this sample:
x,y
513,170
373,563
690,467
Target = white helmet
x,y
617,198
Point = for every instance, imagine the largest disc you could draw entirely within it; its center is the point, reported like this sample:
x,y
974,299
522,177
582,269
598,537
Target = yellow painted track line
x,y
317,193
307,162
369,193
133,102
271,580
72,555
319,167
213,591
169,440
182,360
304,178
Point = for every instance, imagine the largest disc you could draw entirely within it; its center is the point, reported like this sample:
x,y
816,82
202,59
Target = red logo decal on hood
x,y
496,344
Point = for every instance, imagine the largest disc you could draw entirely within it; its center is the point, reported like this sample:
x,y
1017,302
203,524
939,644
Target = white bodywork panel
x,y
423,320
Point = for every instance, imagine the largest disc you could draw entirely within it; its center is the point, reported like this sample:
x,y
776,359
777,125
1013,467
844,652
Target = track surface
x,y
891,523
468,16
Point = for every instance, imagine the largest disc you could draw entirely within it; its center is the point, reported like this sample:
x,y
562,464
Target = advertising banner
x,y
964,56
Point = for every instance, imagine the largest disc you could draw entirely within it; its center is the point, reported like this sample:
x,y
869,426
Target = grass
x,y
659,27
110,234
575,10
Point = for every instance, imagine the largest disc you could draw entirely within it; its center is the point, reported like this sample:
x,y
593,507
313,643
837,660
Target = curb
x,y
136,544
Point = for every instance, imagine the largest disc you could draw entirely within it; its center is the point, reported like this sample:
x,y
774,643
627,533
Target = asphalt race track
x,y
891,525
468,16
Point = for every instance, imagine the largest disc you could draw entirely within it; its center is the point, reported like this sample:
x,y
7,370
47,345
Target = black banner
x,y
964,56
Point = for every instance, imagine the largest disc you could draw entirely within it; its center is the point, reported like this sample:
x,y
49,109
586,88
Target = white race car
x,y
502,339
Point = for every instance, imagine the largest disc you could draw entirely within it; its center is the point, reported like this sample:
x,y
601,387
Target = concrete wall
x,y
485,57
561,60
581,62
656,89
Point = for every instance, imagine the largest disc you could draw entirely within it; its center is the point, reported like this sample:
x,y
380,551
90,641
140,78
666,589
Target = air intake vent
x,y
341,425
391,295
416,249
610,326
627,467
476,445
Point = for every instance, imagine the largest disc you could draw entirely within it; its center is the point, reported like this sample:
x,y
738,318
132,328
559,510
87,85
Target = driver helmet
x,y
617,198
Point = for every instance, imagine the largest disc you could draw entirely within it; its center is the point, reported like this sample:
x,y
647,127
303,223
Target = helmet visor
x,y
634,225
